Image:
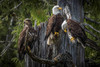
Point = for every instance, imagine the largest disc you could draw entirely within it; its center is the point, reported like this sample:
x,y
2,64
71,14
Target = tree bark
x,y
77,14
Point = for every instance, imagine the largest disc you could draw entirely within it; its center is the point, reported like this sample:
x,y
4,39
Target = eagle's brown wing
x,y
59,21
32,36
21,46
76,30
50,25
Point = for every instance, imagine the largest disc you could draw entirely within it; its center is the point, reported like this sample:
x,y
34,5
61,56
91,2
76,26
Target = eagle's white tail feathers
x,y
51,35
70,37
50,39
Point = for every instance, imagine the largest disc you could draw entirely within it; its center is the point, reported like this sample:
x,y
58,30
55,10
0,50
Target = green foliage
x,y
37,10
93,10
33,9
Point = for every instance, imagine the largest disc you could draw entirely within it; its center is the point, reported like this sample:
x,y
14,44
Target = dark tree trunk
x,y
77,14
42,50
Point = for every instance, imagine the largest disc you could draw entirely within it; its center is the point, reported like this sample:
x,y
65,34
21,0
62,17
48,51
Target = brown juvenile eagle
x,y
32,34
54,25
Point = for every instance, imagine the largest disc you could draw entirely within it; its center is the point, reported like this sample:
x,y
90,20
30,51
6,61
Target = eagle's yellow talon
x,y
65,30
72,39
56,33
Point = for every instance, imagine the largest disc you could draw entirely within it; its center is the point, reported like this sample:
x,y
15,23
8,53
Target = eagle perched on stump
x,y
54,25
32,35
76,32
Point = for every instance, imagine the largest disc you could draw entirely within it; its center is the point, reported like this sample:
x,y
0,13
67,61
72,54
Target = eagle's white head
x,y
64,25
56,9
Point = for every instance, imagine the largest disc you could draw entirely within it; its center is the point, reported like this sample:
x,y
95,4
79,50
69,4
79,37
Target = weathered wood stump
x,y
50,52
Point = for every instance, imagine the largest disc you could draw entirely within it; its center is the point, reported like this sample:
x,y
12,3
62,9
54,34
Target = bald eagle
x,y
76,32
54,25
32,34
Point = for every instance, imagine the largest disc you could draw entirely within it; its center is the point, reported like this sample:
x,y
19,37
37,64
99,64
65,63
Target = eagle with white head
x,y
54,25
75,31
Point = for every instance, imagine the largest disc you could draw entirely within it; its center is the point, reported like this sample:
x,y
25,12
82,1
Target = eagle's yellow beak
x,y
60,8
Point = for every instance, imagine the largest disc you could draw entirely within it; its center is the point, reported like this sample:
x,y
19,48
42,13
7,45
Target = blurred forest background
x,y
13,12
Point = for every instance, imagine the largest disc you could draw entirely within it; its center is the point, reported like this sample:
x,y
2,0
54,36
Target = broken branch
x,y
85,24
91,33
5,41
16,6
7,47
91,20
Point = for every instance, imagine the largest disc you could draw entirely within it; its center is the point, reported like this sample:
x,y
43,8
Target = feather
x,y
21,47
32,37
50,26
76,30
54,24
